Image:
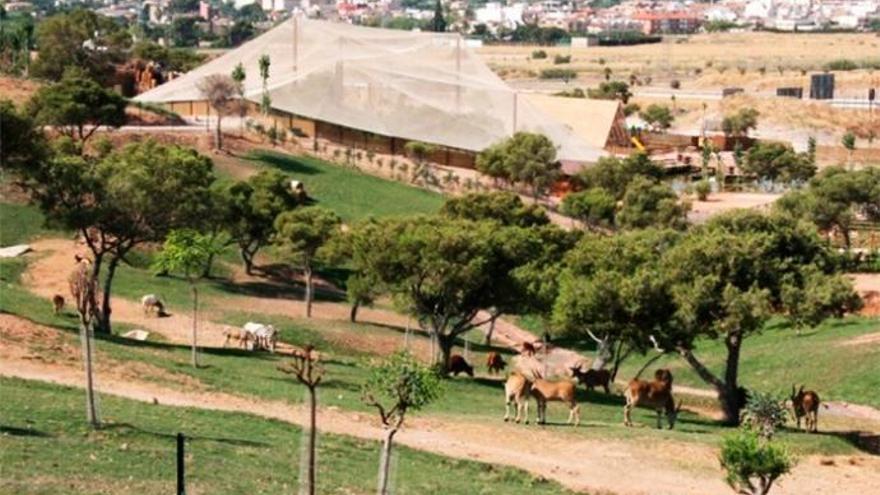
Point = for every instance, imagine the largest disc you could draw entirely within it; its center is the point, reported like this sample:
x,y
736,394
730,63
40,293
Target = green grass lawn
x,y
45,448
352,194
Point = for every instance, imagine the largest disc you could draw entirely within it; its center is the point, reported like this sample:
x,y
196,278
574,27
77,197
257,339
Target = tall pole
x,y
295,43
458,74
181,484
515,97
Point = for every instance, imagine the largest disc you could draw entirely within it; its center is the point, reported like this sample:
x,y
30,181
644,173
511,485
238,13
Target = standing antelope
x,y
806,405
656,394
57,303
545,391
516,390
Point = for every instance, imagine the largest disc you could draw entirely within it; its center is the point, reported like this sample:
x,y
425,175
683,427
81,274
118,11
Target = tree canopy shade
x,y
500,206
81,39
132,196
252,207
302,236
77,106
726,279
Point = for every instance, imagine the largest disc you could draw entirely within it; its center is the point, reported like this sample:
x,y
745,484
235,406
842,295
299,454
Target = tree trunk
x,y
491,330
385,462
206,273
247,256
313,436
195,325
352,316
218,134
730,401
445,344
308,292
91,405
103,321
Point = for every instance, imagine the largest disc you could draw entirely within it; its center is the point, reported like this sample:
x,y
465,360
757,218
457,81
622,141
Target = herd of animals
x,y
655,394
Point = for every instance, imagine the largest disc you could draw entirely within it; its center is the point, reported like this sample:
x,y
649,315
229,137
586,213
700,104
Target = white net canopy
x,y
421,86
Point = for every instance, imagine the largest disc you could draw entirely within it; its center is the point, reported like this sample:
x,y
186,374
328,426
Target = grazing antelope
x,y
806,405
495,363
57,303
545,391
656,394
150,303
592,378
516,391
528,349
240,335
457,365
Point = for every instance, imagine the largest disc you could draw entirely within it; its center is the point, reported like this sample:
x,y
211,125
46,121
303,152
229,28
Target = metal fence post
x,y
181,484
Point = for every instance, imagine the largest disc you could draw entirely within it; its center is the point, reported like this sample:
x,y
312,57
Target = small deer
x,y
656,394
57,303
806,405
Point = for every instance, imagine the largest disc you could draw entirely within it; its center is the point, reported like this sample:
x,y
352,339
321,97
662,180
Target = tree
x,y
307,369
727,280
420,153
524,157
84,290
395,387
253,206
612,292
265,101
595,208
764,414
218,90
740,123
77,106
183,31
22,144
239,76
186,251
651,204
659,117
849,142
611,90
773,161
614,175
80,39
301,236
438,24
504,207
753,465
114,203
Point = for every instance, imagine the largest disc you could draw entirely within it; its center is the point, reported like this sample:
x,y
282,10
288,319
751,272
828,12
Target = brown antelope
x,y
545,391
656,394
516,391
806,405
57,303
495,363
592,378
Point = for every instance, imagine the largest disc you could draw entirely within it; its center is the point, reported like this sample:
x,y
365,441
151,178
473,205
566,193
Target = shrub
x,y
558,73
561,59
752,464
841,64
573,93
539,54
703,188
764,414
675,84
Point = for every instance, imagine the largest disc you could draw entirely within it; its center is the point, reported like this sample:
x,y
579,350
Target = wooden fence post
x,y
181,484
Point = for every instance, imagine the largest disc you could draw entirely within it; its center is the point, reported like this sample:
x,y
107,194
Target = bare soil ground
x,y
16,89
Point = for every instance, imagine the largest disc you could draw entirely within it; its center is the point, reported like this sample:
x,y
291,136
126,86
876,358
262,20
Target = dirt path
x,y
656,467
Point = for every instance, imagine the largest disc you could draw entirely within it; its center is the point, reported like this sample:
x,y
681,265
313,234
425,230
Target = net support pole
x,y
181,482
295,43
458,74
515,101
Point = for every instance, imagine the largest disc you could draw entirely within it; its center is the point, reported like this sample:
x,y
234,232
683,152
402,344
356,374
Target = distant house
x,y
682,22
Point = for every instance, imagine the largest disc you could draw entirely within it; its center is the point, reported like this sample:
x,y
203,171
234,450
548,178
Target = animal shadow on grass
x,y
128,427
285,163
22,432
864,441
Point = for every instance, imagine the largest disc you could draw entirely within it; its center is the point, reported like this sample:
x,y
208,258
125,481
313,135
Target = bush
x,y
675,84
841,64
703,188
573,93
764,414
752,464
539,54
561,59
556,73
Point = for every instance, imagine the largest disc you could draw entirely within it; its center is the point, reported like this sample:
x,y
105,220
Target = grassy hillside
x,y
45,448
353,195
20,223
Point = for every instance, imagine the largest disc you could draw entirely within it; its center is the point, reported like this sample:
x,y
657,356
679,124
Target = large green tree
x,y
728,276
595,208
77,106
774,161
615,174
302,236
130,197
651,204
501,206
252,207
524,157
